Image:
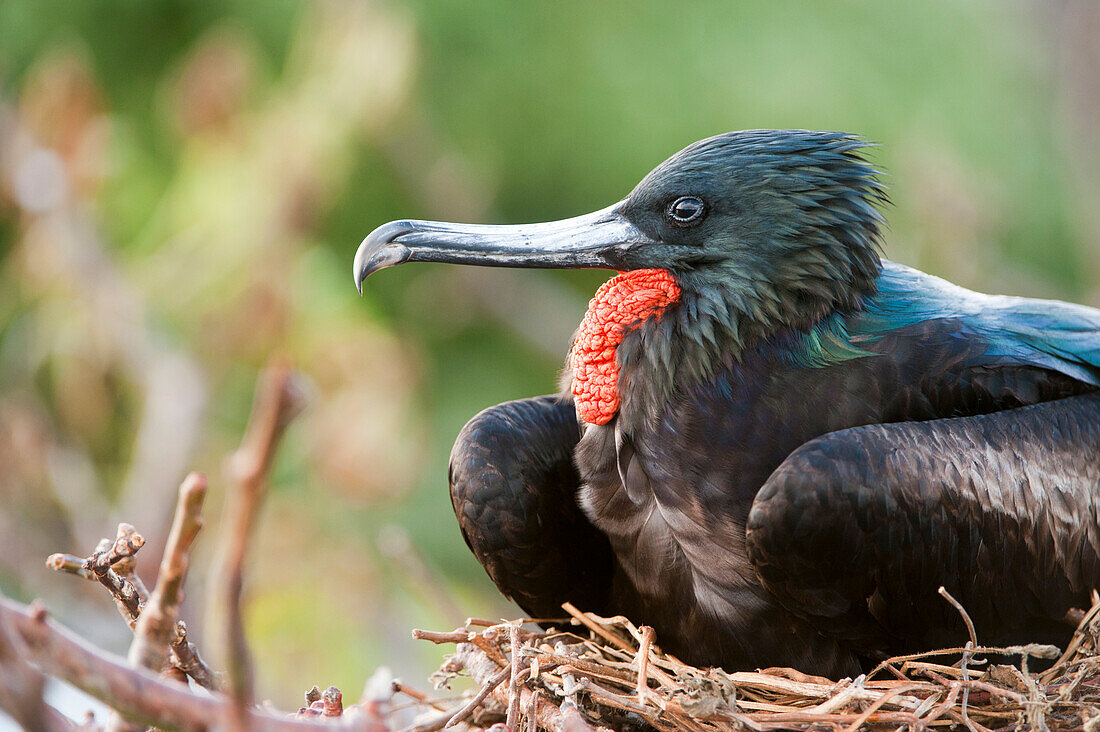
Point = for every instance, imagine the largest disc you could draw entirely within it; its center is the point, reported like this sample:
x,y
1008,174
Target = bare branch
x,y
278,400
70,564
124,568
156,627
127,542
21,685
186,658
139,694
115,562
127,597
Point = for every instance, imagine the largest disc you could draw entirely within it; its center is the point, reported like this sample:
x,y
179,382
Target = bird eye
x,y
685,210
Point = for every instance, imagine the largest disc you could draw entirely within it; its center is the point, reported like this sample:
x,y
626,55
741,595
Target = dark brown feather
x,y
856,530
514,490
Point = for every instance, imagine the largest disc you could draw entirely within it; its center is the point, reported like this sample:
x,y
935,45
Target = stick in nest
x,y
966,656
603,679
642,688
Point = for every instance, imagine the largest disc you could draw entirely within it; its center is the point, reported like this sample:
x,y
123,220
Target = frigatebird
x,y
771,444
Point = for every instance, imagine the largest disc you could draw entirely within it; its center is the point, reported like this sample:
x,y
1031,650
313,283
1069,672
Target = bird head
x,y
784,222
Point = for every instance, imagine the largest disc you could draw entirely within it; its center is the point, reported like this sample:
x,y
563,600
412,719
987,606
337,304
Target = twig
x,y
513,683
417,695
585,667
1035,650
124,568
278,400
1079,638
642,687
127,597
156,627
587,622
622,701
126,544
532,723
115,561
70,564
456,636
467,710
489,649
1035,713
962,611
186,658
965,661
941,709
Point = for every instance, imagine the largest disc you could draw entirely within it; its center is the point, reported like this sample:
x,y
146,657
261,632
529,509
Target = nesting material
x,y
591,672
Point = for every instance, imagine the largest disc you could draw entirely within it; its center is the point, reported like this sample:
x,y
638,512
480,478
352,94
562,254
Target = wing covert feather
x,y
857,529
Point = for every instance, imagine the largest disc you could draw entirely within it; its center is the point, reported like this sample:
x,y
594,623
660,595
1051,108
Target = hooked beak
x,y
600,239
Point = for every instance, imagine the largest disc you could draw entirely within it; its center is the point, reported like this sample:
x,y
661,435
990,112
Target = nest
x,y
593,672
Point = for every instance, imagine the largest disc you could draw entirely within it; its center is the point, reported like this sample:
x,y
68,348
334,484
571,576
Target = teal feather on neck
x,y
790,244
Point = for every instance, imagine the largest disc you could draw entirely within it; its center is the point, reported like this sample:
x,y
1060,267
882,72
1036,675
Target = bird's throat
x,y
621,304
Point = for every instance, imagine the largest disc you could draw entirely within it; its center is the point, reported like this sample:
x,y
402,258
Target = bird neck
x,y
711,328
648,334
622,304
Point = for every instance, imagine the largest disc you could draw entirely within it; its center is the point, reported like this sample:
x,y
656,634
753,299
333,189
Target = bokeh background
x,y
183,186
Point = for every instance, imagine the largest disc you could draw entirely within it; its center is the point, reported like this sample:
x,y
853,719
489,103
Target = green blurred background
x,y
183,186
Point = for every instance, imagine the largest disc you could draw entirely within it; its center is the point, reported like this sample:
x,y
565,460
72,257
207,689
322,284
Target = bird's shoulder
x,y
994,330
921,348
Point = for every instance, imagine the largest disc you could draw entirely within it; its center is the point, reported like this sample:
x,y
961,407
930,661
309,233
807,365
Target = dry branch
x,y
139,694
21,685
186,658
278,400
642,661
156,627
100,567
70,564
112,564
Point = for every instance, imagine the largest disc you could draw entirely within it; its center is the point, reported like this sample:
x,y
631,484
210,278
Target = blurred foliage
x,y
183,185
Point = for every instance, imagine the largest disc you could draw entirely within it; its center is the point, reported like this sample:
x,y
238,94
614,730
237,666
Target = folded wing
x,y
514,489
857,529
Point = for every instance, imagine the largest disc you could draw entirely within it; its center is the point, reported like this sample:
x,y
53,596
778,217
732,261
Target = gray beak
x,y
597,240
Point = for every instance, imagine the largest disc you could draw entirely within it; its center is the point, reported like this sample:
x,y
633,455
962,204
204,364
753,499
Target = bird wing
x,y
514,490
857,529
1058,336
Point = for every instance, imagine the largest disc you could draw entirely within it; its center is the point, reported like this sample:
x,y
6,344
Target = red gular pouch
x,y
620,305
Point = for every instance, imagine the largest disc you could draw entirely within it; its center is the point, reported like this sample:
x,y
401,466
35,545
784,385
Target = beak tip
x,y
357,273
378,251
